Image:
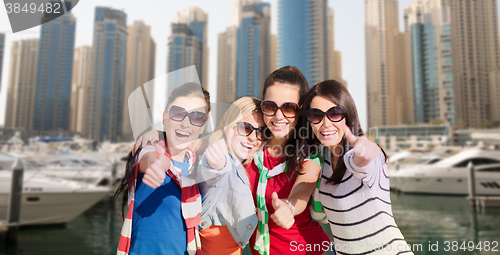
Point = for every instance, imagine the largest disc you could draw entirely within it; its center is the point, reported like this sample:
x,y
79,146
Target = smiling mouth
x,y
328,133
247,146
279,125
182,134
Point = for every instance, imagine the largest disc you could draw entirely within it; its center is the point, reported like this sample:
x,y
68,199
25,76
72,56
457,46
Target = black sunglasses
x,y
196,118
270,108
334,114
246,129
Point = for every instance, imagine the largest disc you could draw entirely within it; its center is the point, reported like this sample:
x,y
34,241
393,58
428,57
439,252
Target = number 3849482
x,y
33,8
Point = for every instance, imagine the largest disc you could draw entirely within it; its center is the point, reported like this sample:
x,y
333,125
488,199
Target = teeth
x,y
328,133
279,124
248,146
182,133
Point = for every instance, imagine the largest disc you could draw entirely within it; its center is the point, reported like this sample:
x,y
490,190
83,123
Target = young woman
x,y
165,205
354,187
284,170
228,216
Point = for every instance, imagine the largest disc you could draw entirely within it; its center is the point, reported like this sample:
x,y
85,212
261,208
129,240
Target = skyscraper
x,y
187,43
141,50
428,25
2,45
226,66
107,74
385,64
253,50
55,66
244,52
475,50
334,56
303,37
80,89
274,52
22,84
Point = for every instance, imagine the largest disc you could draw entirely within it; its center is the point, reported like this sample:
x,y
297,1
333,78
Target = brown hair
x,y
339,94
295,151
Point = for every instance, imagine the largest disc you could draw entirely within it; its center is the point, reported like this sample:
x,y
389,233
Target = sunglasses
x,y
246,129
334,114
178,114
270,107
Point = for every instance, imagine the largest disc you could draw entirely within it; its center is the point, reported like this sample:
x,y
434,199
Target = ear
x,y
164,117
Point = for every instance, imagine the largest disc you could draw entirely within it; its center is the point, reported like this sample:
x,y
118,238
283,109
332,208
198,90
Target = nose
x,y
185,122
326,122
279,114
252,137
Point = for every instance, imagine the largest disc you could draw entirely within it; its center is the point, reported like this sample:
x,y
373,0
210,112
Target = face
x,y
246,146
328,133
180,134
278,124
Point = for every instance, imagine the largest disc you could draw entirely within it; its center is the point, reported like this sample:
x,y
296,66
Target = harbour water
x,y
424,221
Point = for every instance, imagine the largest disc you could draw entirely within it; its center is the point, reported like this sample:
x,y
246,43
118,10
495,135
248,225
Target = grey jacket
x,y
227,199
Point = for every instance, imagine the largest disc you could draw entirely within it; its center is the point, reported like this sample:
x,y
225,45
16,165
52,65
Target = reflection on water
x,y
421,218
424,219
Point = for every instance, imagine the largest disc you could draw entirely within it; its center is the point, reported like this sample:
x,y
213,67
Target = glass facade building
x,y
107,78
187,44
54,74
303,37
253,50
431,60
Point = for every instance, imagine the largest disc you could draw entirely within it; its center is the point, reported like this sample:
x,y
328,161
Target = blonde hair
x,y
238,110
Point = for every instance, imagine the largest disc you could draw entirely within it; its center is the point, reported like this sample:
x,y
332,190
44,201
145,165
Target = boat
x,y
450,175
46,200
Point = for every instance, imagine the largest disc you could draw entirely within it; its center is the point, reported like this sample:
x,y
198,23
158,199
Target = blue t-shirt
x,y
157,223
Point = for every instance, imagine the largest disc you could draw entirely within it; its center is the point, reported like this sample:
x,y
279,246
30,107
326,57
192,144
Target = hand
x,y
217,151
155,173
150,137
364,150
283,215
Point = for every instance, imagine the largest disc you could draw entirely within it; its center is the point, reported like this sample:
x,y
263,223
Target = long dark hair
x,y
339,94
295,149
187,89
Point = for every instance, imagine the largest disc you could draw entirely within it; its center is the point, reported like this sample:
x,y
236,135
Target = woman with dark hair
x,y
284,168
164,205
354,187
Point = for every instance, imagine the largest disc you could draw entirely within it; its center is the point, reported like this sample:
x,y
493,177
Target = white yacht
x,y
450,175
48,200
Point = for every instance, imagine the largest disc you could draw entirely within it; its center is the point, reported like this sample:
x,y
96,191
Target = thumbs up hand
x,y
283,215
217,151
155,173
364,150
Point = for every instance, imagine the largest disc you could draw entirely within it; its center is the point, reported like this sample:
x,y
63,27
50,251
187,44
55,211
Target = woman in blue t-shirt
x,y
164,204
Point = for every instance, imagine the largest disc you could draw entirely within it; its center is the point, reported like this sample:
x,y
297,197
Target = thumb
x,y
276,201
159,150
351,138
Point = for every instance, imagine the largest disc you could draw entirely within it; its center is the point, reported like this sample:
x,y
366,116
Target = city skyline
x,y
353,57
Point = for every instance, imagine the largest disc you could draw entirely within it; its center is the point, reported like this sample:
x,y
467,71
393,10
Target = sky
x,y
349,35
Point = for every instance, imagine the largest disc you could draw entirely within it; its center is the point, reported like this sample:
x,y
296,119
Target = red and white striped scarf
x,y
190,207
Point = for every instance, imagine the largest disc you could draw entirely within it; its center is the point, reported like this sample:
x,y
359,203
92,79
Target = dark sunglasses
x,y
289,109
334,114
196,118
246,129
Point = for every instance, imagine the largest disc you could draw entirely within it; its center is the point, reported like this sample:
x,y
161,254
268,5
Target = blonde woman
x,y
228,217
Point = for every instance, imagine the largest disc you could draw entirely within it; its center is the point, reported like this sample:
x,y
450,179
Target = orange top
x,y
216,240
